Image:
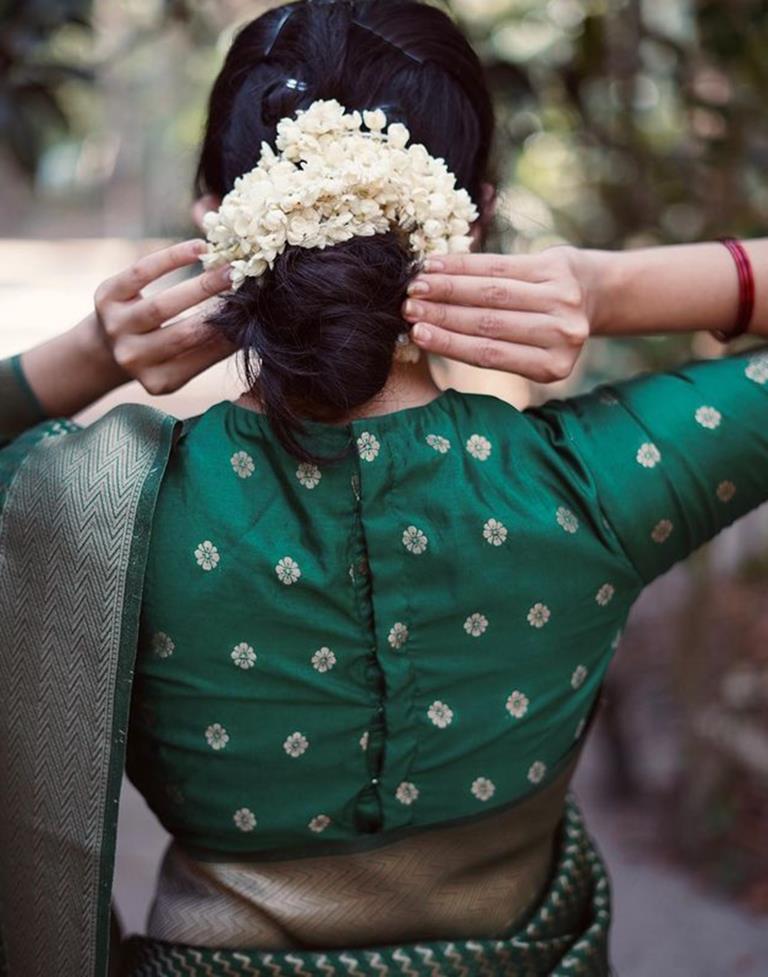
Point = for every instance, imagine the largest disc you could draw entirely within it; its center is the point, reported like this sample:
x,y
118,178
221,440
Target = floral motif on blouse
x,y
494,532
757,368
398,634
243,655
616,641
323,659
517,704
242,464
244,819
476,624
726,491
163,645
287,570
662,531
648,455
605,594
407,792
608,399
579,674
368,446
580,728
438,442
440,714
414,540
319,822
364,740
566,519
708,417
216,736
537,771
207,555
309,475
538,615
483,788
479,447
296,744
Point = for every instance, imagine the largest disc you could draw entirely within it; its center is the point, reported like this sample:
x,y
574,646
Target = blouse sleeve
x,y
19,407
675,456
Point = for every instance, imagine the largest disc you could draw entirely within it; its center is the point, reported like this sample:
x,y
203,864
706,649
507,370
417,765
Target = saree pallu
x,y
567,933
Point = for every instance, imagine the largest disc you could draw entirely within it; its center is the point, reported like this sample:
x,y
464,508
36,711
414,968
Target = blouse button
x,y
374,780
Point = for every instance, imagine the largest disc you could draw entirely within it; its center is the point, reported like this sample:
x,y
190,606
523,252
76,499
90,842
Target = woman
x,y
361,684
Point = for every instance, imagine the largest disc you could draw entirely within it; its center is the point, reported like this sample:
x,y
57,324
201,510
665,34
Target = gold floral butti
x,y
337,175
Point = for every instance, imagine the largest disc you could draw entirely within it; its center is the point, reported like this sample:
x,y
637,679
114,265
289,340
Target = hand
x,y
524,314
142,335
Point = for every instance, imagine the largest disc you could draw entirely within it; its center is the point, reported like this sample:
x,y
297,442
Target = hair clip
x,y
295,84
386,40
287,14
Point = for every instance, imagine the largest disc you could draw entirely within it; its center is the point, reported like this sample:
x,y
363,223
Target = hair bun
x,y
324,324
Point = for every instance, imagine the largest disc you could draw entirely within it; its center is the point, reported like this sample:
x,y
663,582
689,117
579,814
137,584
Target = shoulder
x,y
128,439
126,423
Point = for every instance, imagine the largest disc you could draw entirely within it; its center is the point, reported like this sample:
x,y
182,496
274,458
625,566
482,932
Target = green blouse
x,y
417,634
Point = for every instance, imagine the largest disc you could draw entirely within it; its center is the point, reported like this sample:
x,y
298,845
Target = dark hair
x,y
324,322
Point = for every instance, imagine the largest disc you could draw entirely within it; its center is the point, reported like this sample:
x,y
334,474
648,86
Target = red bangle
x,y
746,291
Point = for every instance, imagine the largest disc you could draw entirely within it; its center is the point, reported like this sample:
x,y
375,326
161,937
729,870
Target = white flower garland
x,y
331,180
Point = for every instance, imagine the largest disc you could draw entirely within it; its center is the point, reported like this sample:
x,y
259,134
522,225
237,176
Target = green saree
x,y
76,510
649,470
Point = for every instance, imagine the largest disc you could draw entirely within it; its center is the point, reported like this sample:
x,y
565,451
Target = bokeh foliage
x,y
33,111
630,121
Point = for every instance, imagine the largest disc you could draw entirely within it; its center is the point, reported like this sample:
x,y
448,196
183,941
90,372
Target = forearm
x,y
72,370
679,288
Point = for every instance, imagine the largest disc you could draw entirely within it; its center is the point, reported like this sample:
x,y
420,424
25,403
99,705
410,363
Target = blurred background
x,y
622,123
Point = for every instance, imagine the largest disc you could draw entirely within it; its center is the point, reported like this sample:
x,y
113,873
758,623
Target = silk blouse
x,y
335,657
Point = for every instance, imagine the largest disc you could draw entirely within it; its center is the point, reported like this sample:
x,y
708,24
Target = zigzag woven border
x,y
66,552
566,935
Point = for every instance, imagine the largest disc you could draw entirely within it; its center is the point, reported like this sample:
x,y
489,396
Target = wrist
x,y
599,274
95,354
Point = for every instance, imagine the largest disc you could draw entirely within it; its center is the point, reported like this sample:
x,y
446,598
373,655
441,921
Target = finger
x,y
525,267
481,290
141,350
129,283
151,312
527,361
531,328
170,376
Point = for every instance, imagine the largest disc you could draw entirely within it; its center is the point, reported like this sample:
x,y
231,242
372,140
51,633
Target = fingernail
x,y
421,333
433,264
418,287
200,246
414,309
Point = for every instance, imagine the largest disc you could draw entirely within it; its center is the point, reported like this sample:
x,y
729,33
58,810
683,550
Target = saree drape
x,y
74,526
567,933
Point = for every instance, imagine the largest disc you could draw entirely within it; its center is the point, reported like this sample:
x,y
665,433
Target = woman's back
x,y
335,660
412,636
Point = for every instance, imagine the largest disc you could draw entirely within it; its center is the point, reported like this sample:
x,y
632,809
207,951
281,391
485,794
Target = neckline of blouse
x,y
424,413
